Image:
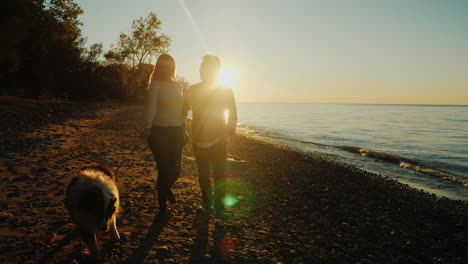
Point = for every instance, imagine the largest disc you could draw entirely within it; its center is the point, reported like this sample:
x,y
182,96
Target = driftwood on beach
x,y
286,206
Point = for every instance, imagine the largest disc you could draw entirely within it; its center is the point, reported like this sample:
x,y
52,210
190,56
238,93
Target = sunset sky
x,y
390,52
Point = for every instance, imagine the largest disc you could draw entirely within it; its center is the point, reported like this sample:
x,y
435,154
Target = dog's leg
x,y
114,233
90,240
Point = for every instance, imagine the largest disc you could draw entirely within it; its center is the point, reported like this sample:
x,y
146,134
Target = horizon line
x,y
279,102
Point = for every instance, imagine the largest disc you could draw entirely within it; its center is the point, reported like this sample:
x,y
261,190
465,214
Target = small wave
x,y
301,141
406,163
252,131
441,174
374,154
384,156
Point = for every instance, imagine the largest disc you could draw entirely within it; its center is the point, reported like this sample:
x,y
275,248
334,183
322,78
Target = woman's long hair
x,y
164,70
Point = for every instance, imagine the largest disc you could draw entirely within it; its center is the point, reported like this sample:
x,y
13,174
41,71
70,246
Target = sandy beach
x,y
286,206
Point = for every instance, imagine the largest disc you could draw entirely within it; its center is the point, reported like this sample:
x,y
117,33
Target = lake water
x,y
424,146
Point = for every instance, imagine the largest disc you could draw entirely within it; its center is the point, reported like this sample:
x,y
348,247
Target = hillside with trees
x,y
45,55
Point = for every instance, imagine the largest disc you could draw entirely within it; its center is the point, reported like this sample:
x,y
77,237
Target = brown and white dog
x,y
93,202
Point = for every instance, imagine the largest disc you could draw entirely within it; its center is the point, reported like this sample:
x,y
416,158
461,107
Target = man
x,y
209,101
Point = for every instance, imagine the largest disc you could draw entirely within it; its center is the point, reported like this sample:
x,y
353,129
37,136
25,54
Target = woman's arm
x,y
152,105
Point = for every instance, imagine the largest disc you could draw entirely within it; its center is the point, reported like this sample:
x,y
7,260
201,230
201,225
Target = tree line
x,y
43,54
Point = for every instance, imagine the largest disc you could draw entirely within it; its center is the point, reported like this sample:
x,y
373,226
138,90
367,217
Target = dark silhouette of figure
x,y
209,102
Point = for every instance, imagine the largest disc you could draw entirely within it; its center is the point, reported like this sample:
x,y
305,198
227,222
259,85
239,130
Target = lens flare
x,y
227,247
194,24
230,201
239,198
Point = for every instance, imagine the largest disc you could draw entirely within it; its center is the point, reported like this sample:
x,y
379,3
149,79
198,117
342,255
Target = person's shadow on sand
x,y
139,254
199,249
200,243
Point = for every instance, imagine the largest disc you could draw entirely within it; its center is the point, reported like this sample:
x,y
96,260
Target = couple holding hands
x,y
168,105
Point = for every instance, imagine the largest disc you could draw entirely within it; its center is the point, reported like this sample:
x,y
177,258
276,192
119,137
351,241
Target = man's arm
x,y
185,109
231,107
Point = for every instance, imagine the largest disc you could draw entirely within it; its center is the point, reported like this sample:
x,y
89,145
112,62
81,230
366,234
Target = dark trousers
x,y
167,144
213,158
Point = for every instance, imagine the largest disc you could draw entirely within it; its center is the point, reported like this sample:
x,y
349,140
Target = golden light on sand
x,y
227,77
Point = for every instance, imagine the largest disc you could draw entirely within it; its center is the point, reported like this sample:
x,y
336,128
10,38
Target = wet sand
x,y
286,206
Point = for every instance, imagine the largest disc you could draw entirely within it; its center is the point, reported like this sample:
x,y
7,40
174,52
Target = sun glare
x,y
226,116
227,77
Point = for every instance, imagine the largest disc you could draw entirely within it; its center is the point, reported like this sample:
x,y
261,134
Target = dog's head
x,y
100,206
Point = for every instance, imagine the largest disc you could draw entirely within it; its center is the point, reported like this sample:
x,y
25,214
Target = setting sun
x,y
227,77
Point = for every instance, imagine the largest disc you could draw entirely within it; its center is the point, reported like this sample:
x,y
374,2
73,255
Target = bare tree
x,y
142,43
137,48
94,52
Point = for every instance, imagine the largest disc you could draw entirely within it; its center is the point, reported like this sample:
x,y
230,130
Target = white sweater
x,y
165,104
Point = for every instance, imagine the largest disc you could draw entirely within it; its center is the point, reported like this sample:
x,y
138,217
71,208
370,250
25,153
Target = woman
x,y
166,121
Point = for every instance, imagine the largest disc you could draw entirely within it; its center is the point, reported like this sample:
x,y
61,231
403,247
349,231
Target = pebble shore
x,y
284,206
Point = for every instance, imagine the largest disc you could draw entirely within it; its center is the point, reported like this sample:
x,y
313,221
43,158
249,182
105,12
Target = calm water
x,y
432,141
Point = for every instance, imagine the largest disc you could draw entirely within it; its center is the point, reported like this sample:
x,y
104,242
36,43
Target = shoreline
x,y
401,169
334,163
288,206
350,197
